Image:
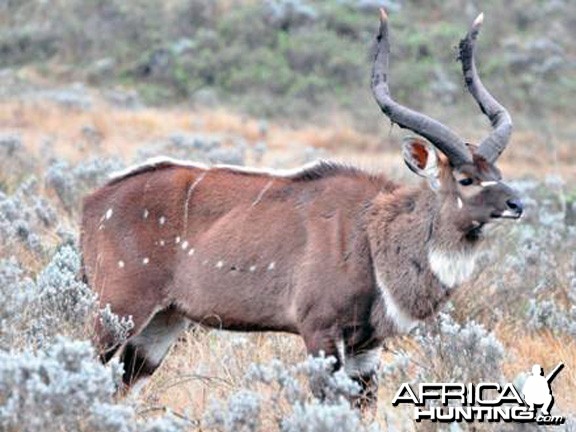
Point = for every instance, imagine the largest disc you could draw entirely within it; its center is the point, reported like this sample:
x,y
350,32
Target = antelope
x,y
339,256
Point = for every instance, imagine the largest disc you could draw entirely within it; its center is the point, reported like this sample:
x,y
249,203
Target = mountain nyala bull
x,y
339,256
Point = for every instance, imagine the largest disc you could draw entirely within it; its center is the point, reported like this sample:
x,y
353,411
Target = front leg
x,y
363,366
323,341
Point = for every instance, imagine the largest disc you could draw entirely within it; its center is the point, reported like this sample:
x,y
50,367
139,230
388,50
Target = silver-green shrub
x,y
281,393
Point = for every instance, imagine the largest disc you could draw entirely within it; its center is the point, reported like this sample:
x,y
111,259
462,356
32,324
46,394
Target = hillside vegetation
x,y
293,58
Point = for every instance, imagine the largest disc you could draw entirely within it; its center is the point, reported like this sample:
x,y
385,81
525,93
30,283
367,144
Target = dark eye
x,y
466,181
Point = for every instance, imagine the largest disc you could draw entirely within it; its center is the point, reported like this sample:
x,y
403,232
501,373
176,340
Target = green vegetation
x,y
292,58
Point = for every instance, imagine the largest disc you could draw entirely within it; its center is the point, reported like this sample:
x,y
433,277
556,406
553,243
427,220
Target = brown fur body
x,y
229,249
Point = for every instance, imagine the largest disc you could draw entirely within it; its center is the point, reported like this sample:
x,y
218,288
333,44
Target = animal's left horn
x,y
434,131
492,146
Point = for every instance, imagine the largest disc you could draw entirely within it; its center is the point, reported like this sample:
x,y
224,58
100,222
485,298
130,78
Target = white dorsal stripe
x,y
155,161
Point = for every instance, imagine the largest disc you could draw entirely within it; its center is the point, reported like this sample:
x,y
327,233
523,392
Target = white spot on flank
x,y
191,252
162,243
162,220
184,245
145,214
363,363
177,239
109,213
120,264
451,268
205,262
145,260
401,319
219,264
271,266
252,268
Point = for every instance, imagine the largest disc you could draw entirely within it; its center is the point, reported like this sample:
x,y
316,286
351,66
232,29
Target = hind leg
x,y
104,341
143,353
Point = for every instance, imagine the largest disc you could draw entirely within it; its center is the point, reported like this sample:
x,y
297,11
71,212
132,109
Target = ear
x,y
421,158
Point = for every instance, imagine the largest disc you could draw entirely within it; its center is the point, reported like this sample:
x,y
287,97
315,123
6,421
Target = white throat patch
x,y
451,268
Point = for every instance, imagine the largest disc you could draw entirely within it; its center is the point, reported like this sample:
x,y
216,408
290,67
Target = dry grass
x,y
210,365
125,131
524,350
205,365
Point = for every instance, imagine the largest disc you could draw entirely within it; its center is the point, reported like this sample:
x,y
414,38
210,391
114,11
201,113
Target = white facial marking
x,y
401,319
177,239
272,266
219,264
191,252
363,363
162,220
451,268
145,214
120,264
459,202
184,245
109,213
252,268
488,183
510,214
145,260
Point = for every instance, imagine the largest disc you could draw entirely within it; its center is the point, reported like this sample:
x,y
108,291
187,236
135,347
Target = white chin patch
x,y
451,268
508,214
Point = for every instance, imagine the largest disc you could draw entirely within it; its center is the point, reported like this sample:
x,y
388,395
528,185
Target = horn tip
x,y
383,15
479,20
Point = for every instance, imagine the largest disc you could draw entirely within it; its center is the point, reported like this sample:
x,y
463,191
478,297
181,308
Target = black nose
x,y
515,205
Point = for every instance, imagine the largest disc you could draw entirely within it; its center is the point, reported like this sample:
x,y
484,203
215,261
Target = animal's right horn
x,y
434,131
